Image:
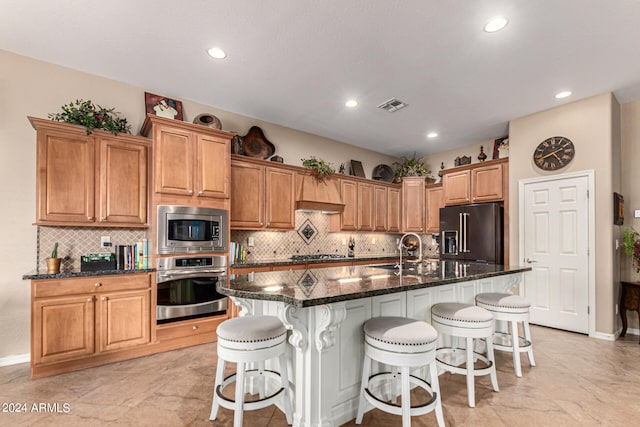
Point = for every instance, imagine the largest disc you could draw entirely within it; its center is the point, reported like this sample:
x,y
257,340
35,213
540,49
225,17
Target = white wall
x,y
35,88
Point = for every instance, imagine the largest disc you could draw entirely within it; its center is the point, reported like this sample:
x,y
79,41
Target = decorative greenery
x,y
410,167
54,252
81,112
319,166
631,244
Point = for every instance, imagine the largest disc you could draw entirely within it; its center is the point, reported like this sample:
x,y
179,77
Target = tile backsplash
x,y
73,242
312,236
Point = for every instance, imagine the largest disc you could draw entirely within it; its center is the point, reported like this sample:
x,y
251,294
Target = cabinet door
x,y
247,202
65,180
123,182
62,329
457,188
380,208
413,193
280,200
349,194
435,201
213,166
173,160
486,183
124,319
365,207
394,208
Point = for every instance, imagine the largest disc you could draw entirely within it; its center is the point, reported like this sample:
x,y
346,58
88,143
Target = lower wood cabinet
x,y
76,319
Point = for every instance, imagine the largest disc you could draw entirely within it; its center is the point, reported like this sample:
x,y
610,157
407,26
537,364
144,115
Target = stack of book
x,y
237,253
133,257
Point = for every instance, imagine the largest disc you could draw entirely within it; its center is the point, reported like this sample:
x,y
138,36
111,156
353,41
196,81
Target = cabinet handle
x,y
97,284
190,192
89,299
195,328
104,298
90,218
200,193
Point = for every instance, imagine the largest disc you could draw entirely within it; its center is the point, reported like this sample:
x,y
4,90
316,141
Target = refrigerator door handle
x,y
461,237
465,217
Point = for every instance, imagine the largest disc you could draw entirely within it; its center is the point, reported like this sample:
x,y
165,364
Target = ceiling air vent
x,y
393,105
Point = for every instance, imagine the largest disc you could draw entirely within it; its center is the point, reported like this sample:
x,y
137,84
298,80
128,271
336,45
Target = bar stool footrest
x,y
463,371
396,409
255,404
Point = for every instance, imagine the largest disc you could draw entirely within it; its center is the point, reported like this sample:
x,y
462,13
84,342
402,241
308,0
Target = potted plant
x,y
411,167
53,262
90,116
320,168
631,243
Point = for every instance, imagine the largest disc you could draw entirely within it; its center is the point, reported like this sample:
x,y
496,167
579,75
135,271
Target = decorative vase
x,y
53,265
208,120
482,156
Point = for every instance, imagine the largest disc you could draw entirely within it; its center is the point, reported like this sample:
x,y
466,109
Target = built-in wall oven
x,y
187,287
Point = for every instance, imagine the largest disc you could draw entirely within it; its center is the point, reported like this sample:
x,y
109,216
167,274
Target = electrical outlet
x,y
250,241
105,241
636,213
344,241
373,240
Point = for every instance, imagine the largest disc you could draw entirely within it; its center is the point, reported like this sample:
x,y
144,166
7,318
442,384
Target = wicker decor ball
x,y
208,120
410,243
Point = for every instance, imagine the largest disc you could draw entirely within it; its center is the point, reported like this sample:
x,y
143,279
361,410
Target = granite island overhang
x,y
324,310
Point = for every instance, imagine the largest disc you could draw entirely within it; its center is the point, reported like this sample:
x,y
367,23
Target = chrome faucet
x,y
419,251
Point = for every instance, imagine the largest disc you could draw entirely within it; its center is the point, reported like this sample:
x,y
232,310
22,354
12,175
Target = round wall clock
x,y
554,153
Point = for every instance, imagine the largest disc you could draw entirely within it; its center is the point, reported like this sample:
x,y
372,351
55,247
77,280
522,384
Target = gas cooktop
x,y
316,257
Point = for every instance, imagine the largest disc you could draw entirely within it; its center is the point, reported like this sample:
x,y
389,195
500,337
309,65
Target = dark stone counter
x,y
305,288
38,275
267,263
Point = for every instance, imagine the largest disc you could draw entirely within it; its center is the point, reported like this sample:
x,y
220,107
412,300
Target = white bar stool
x,y
468,322
401,343
245,340
512,309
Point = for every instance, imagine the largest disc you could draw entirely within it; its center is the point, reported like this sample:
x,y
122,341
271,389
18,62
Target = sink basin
x,y
405,267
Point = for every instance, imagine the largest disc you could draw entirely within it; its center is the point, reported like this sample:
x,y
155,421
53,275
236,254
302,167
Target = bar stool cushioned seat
x,y
402,344
251,340
512,309
470,322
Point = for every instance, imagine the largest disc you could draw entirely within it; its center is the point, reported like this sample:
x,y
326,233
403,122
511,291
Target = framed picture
x,y
357,169
618,209
163,106
497,144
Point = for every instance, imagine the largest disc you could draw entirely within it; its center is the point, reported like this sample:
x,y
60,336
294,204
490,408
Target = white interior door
x,y
554,234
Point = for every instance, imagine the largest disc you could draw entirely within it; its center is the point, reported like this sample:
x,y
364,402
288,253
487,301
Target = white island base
x,y
327,342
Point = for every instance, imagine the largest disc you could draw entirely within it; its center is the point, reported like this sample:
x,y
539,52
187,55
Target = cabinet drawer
x,y
189,328
88,285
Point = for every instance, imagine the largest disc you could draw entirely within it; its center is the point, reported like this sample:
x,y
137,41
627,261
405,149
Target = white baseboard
x,y
603,336
15,359
632,331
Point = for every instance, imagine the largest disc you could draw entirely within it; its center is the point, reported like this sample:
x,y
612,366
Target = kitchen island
x,y
325,309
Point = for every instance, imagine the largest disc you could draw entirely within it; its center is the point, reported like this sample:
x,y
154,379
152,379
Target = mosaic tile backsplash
x,y
312,236
73,242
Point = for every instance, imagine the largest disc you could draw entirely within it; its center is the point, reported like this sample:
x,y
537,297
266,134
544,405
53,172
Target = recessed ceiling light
x,y
351,103
432,134
495,24
216,52
563,94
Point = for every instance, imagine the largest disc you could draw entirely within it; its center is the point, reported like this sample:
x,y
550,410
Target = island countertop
x,y
306,288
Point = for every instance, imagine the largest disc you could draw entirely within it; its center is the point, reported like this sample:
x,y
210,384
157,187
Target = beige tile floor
x,y
578,381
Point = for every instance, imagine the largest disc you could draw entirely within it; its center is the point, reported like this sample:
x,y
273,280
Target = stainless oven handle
x,y
173,275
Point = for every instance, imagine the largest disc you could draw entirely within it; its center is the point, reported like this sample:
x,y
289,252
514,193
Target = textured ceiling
x,y
295,62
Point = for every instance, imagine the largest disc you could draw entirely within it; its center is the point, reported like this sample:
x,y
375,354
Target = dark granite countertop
x,y
305,288
267,262
38,275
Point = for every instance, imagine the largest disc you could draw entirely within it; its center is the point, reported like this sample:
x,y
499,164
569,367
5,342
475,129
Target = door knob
x,y
531,261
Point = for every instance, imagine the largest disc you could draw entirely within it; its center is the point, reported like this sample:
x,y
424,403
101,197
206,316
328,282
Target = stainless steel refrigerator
x,y
472,233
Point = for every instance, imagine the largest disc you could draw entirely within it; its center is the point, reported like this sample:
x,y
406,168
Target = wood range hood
x,y
318,195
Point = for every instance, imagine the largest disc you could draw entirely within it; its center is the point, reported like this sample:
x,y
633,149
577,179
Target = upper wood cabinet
x,y
413,204
368,206
189,161
89,180
435,201
394,209
262,196
477,183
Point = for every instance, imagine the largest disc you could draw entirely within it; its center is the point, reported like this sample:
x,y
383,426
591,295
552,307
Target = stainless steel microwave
x,y
190,229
